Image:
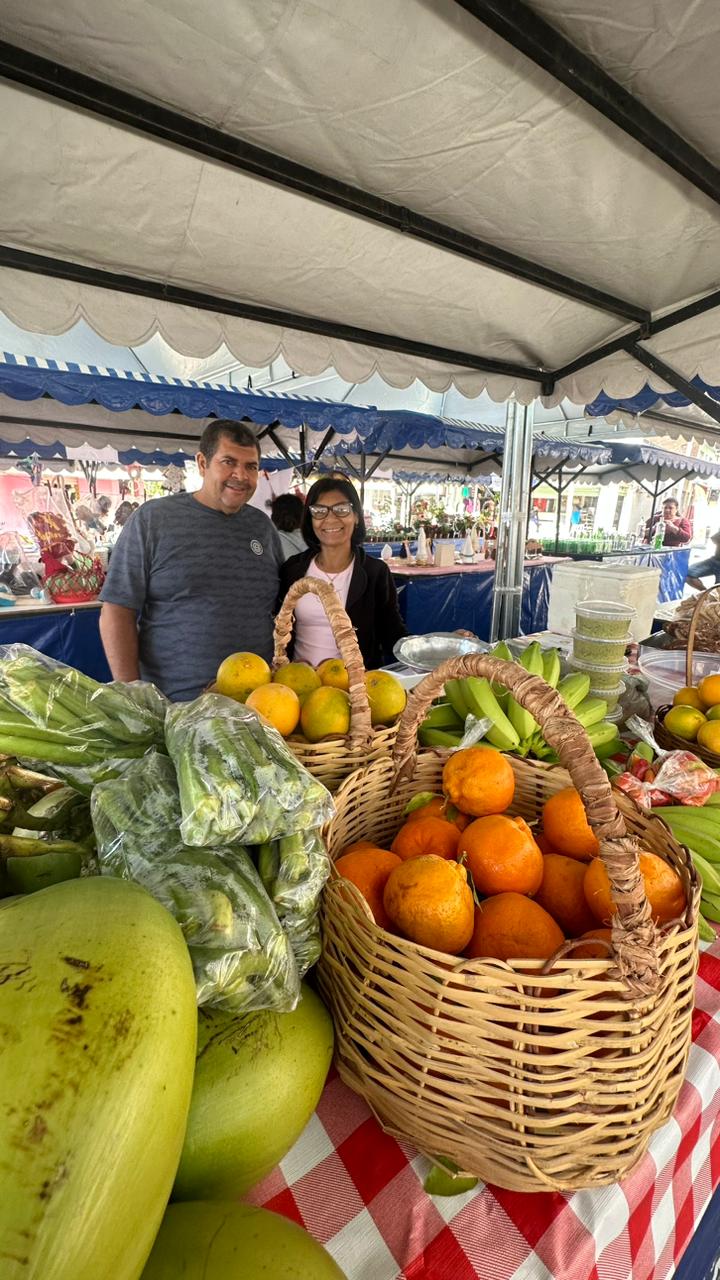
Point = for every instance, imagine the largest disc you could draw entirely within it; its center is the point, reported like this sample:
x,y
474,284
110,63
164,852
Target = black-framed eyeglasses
x,y
338,509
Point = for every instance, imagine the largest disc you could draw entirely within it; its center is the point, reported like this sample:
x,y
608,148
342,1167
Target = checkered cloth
x,y
360,1192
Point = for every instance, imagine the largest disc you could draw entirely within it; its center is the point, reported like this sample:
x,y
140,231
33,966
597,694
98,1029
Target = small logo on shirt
x,y
256,547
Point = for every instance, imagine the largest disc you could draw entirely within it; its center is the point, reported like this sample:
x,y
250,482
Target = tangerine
x,y
299,676
566,826
684,722
240,673
663,888
479,781
325,713
386,696
369,869
592,950
562,894
430,901
544,844
709,690
334,673
510,926
709,735
501,855
438,807
426,835
689,696
277,704
360,844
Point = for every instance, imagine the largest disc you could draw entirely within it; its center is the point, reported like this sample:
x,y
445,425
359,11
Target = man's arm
x,y
119,635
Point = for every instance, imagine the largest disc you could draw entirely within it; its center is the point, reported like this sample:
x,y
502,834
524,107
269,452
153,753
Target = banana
x,y
482,702
591,711
442,716
574,689
502,652
709,874
710,906
438,737
604,739
706,933
551,666
456,697
531,659
695,828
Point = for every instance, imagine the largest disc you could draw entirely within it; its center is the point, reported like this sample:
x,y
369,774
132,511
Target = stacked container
x,y
600,638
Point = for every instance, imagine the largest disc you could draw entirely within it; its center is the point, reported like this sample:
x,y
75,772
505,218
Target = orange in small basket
x,y
479,781
439,807
566,826
562,894
510,926
369,869
501,855
426,835
430,901
663,888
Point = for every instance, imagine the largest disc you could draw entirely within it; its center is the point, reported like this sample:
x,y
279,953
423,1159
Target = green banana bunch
x,y
502,652
699,829
482,702
574,689
551,666
522,722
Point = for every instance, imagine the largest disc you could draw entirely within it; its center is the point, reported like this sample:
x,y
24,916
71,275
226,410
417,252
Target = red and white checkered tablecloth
x,y
360,1192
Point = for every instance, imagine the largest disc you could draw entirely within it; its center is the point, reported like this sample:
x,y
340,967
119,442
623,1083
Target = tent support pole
x,y
557,513
509,564
323,445
363,477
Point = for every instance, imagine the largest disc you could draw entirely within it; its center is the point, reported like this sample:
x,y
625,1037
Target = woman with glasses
x,y
334,529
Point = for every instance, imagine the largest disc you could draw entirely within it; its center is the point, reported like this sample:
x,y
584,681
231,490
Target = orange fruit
x,y
510,926
709,735
334,673
566,826
439,807
544,844
684,722
562,894
277,704
689,696
501,855
360,844
386,695
239,674
429,900
663,887
325,713
479,781
369,869
299,676
592,950
426,835
709,690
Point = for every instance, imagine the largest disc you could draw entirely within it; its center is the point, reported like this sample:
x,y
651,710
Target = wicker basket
x,y
334,758
530,1075
664,737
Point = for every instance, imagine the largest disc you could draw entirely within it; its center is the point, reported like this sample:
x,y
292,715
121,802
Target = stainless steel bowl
x,y
427,652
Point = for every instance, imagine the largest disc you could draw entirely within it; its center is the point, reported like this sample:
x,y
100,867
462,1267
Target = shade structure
x,y
411,189
646,464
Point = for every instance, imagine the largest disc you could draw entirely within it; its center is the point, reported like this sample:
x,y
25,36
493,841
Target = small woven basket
x,y
533,1076
334,758
664,737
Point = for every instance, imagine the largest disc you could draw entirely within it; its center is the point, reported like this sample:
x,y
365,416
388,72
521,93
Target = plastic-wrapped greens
x,y
241,956
238,780
69,725
294,870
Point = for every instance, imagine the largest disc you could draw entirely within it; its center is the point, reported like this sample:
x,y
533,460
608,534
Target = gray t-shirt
x,y
204,583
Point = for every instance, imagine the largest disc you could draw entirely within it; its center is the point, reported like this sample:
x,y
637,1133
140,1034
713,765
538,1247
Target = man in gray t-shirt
x,y
194,577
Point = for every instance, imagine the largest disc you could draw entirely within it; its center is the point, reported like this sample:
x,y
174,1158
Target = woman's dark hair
x,y
286,512
315,496
123,513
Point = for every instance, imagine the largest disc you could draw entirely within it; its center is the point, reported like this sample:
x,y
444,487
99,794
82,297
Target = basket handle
x,y
361,730
634,933
699,605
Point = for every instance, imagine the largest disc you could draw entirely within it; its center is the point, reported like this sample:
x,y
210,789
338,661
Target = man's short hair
x,y
239,433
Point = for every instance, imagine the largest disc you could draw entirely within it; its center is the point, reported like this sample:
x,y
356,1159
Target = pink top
x,y
314,640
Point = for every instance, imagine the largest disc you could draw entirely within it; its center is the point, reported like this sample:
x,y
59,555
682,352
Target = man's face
x,y
229,477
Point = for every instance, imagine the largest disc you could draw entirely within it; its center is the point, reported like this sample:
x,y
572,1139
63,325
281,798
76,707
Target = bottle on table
x,y
659,537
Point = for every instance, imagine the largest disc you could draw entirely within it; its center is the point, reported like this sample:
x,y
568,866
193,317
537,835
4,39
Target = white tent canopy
x,y
448,134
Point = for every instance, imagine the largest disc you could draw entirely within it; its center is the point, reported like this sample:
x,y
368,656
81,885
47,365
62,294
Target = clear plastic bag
x,y
294,870
670,778
239,782
241,956
70,725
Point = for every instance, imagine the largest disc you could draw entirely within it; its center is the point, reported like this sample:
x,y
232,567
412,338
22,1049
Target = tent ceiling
x,y
417,105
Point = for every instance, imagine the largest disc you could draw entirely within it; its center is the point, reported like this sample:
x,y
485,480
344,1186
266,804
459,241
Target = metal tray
x,y
427,652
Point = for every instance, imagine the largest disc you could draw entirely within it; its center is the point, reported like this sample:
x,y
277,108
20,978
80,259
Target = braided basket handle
x,y
699,605
361,730
634,934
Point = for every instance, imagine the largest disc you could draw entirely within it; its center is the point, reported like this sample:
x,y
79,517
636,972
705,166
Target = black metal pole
x,y
557,513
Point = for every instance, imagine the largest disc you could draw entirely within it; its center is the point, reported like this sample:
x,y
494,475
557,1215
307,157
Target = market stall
x,y
460,598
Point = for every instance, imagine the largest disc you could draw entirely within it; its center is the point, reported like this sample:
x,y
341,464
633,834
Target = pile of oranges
x,y
695,713
463,876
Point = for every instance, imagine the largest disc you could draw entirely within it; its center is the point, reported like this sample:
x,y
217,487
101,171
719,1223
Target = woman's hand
x,y
467,635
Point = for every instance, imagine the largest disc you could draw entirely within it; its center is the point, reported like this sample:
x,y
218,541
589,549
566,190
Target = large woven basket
x,y
530,1075
334,758
664,737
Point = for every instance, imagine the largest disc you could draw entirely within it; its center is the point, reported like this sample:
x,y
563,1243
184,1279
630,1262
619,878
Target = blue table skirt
x,y
70,635
463,601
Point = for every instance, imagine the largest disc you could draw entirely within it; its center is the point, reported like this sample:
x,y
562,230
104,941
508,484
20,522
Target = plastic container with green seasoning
x,y
603,619
611,696
602,679
597,652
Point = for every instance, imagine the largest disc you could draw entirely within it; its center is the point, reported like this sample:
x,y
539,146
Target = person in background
x,y
286,513
194,576
575,516
678,530
334,529
708,568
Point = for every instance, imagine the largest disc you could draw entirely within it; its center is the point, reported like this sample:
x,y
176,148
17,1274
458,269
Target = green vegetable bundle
x,y
242,958
294,870
75,728
238,780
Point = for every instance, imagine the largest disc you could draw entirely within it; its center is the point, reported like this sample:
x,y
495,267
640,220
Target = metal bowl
x,y
427,652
